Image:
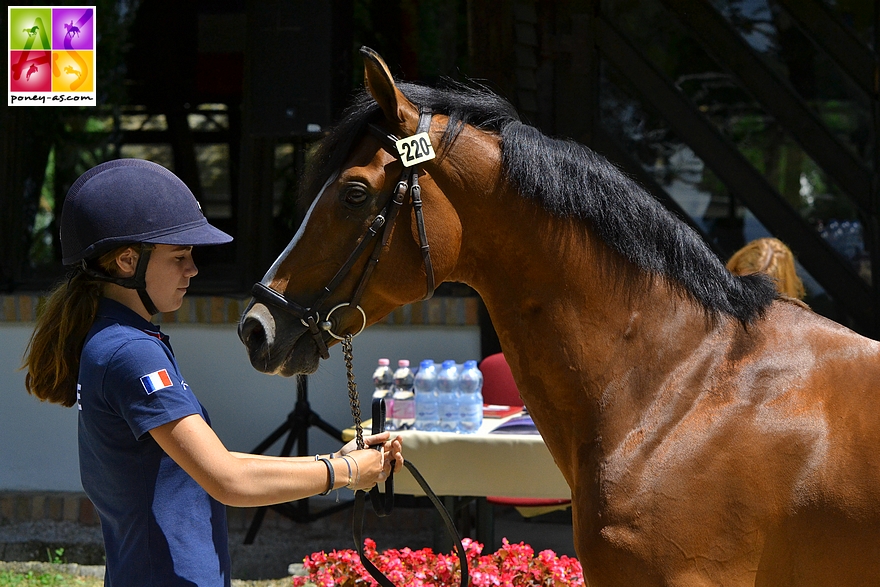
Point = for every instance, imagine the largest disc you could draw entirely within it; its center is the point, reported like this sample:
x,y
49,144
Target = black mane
x,y
462,104
569,180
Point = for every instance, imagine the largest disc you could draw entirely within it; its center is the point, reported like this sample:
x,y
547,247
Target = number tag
x,y
415,149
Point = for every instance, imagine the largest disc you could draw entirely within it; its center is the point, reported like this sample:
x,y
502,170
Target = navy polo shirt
x,y
160,527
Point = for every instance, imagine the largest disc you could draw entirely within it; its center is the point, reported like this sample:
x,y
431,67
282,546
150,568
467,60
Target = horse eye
x,y
355,194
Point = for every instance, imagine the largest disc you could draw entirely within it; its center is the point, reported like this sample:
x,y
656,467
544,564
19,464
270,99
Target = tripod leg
x,y
296,431
297,428
315,420
273,438
255,526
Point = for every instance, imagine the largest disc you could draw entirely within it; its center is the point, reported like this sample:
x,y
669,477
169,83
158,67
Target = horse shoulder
x,y
838,401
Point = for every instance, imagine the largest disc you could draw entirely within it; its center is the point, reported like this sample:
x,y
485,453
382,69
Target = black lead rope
x,y
384,507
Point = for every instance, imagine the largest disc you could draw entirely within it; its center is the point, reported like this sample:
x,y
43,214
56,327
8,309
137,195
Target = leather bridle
x,y
407,186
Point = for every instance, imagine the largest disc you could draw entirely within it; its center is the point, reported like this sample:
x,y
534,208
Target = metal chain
x,y
353,398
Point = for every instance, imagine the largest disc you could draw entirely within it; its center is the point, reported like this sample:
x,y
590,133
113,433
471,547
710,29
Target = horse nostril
x,y
252,333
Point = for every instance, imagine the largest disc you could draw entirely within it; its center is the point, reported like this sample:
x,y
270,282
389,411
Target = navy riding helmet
x,y
130,201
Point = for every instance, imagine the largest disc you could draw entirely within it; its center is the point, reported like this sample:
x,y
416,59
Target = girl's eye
x,y
355,194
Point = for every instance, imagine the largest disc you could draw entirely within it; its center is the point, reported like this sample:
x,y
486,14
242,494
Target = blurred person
x,y
771,256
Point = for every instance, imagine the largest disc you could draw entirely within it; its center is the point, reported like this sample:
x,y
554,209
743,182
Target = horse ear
x,y
380,83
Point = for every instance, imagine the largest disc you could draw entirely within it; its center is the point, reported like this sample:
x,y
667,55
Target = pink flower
x,y
513,565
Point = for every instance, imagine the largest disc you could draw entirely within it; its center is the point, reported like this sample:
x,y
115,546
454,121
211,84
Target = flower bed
x,y
513,565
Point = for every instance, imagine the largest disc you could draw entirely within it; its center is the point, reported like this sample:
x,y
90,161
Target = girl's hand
x,y
393,454
390,456
368,441
367,468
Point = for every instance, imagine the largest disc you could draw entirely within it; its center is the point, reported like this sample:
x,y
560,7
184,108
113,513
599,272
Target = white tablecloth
x,y
480,464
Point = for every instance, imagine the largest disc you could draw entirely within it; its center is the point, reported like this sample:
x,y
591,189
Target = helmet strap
x,y
140,276
137,282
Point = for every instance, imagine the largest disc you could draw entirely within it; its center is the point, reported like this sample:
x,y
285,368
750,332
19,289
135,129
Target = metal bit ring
x,y
327,325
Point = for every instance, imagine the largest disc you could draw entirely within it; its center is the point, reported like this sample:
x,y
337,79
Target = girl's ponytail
x,y
53,353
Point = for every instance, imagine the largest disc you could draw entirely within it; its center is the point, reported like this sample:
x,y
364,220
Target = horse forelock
x,y
570,180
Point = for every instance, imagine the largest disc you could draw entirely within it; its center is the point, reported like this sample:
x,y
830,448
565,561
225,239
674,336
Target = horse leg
x,y
604,568
644,554
821,548
604,562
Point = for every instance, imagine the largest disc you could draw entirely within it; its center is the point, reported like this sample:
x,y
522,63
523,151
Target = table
x,y
481,464
477,466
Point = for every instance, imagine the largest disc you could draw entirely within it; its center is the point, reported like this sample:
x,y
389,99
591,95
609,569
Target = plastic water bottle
x,y
425,386
470,401
403,410
383,377
447,396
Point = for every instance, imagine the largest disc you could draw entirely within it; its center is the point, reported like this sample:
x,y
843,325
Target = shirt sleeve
x,y
143,385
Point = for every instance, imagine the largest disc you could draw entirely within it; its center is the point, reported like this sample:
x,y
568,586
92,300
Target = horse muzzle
x,y
276,345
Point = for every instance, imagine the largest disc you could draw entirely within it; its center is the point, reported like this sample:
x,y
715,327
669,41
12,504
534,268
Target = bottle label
x,y
471,410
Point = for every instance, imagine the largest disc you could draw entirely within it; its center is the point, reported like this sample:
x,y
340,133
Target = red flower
x,y
513,565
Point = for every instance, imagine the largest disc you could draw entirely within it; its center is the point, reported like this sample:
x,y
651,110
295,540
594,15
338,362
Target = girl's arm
x,y
242,480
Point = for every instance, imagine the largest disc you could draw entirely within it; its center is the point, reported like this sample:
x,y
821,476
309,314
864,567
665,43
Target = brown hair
x,y
770,256
53,352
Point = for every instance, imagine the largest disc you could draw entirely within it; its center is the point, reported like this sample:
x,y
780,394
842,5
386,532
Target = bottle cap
x,y
426,363
448,363
384,362
403,363
470,364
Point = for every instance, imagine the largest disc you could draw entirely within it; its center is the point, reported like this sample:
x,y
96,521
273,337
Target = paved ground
x,y
281,542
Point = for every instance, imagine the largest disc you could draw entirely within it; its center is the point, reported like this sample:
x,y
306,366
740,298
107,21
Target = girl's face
x,y
168,274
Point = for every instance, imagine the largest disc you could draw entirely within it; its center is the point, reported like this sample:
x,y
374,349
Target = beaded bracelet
x,y
331,473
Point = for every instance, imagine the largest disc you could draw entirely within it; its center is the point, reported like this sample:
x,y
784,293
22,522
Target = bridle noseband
x,y
408,185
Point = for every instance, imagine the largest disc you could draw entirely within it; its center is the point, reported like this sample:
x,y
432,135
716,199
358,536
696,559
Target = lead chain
x,y
352,391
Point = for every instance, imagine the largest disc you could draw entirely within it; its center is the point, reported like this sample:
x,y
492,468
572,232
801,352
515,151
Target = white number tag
x,y
415,149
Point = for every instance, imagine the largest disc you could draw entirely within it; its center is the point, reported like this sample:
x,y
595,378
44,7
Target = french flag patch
x,y
156,381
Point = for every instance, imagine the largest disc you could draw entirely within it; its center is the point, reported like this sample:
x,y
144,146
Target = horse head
x,y
361,249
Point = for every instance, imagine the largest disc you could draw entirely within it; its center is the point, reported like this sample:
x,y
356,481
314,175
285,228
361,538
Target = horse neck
x,y
574,318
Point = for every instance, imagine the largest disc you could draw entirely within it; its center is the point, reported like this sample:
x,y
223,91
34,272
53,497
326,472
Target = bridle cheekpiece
x,y
411,151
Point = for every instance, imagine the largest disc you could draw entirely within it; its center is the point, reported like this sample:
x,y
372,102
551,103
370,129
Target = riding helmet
x,y
130,201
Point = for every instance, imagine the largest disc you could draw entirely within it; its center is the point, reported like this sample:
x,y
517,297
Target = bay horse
x,y
711,431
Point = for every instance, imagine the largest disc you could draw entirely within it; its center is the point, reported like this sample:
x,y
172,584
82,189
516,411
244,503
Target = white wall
x,y
38,445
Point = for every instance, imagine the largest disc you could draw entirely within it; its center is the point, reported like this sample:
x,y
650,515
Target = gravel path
x,y
270,557
281,543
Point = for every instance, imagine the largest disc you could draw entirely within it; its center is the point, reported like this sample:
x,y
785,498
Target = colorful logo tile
x,y
31,71
73,29
30,28
72,71
52,54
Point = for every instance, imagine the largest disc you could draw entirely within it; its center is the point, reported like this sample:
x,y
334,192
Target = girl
x,y
149,461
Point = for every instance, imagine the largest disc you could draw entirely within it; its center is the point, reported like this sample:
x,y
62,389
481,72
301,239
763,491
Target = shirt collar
x,y
117,312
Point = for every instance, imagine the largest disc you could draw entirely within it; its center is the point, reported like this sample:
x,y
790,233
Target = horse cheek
x,y
444,231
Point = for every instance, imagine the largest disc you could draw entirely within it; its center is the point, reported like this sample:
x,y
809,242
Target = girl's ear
x,y
126,262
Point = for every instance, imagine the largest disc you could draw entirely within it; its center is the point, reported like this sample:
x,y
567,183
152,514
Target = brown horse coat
x,y
702,447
